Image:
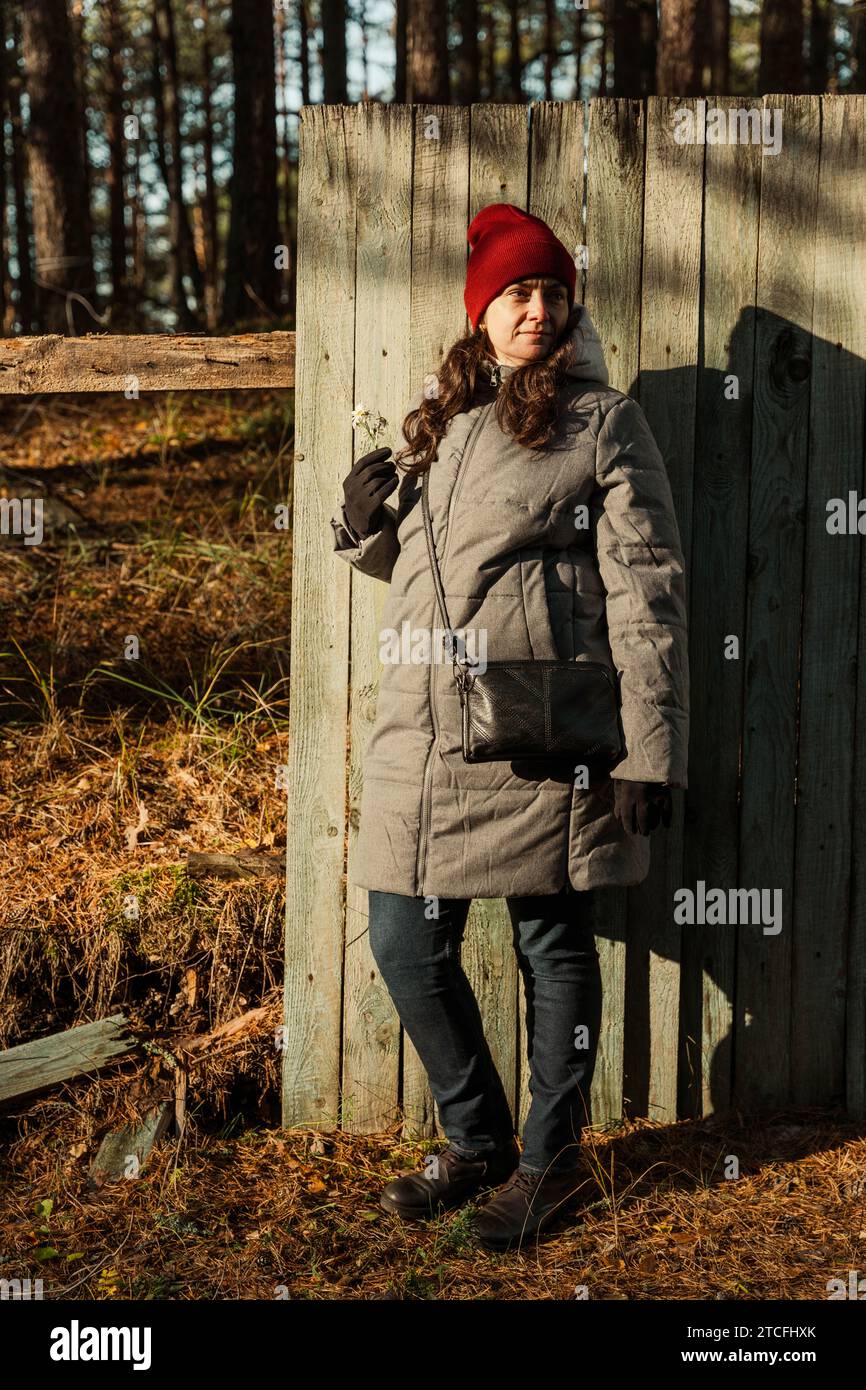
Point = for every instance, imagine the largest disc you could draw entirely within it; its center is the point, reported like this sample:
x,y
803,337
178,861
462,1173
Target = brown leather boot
x,y
527,1202
447,1180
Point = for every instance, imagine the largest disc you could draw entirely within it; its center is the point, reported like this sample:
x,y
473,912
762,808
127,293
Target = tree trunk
x,y
626,57
116,171
782,67
679,66
578,52
719,54
634,48
4,259
605,19
210,237
83,58
361,21
549,47
252,284
138,227
467,56
184,260
26,289
490,53
858,51
139,241
427,69
64,260
401,25
333,48
288,234
649,46
819,46
177,289
304,51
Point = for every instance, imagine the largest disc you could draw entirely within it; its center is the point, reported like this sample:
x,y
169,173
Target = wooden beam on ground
x,y
124,1153
146,362
245,863
230,1032
32,1066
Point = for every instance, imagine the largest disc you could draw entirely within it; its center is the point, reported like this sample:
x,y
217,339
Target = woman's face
x,y
525,320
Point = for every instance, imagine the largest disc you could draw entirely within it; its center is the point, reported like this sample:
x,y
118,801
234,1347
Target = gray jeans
x,y
419,960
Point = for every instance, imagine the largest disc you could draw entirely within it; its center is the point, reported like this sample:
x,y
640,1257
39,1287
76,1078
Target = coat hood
x,y
589,363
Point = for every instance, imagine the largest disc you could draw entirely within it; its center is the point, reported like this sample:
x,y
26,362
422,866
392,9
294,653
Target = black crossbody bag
x,y
518,710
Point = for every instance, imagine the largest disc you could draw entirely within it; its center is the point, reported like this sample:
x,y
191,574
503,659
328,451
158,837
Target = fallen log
x,y
33,1066
242,864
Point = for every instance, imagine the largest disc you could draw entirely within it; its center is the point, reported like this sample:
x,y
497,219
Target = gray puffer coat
x,y
518,567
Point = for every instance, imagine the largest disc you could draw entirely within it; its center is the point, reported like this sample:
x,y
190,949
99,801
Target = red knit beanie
x,y
508,244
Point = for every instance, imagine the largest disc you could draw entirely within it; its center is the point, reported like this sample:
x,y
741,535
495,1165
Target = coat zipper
x,y
426,786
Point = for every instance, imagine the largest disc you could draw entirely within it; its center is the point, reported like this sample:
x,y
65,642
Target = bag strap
x,y
450,640
492,369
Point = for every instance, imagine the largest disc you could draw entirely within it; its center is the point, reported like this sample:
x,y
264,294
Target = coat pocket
x,y
564,606
547,585
589,616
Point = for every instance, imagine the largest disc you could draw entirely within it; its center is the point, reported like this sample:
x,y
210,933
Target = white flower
x,y
369,420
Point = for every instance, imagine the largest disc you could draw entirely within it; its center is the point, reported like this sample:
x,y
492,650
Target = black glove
x,y
365,489
641,806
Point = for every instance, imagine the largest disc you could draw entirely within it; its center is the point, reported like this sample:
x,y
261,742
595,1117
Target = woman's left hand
x,y
640,806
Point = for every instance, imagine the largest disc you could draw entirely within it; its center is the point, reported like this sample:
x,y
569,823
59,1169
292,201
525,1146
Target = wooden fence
x,y
728,285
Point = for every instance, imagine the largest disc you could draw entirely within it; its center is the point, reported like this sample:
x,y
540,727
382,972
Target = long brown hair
x,y
527,402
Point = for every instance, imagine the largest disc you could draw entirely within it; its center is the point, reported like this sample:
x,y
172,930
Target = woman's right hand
x,y
372,478
641,806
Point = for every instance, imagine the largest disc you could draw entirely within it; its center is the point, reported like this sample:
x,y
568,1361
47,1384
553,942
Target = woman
x,y
556,537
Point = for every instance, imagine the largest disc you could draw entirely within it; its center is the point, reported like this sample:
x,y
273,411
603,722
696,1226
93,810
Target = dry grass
x,y
68,951
112,769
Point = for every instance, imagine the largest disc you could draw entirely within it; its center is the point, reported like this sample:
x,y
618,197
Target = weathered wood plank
x,y
316,776
32,1066
556,188
146,362
614,236
780,442
828,660
124,1153
614,232
440,201
371,1027
670,297
732,183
